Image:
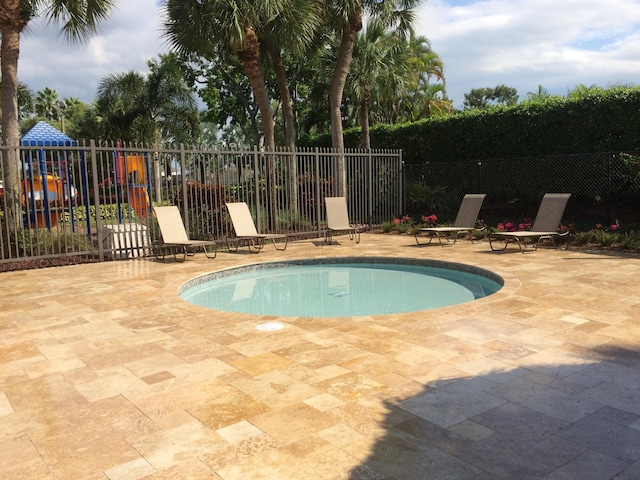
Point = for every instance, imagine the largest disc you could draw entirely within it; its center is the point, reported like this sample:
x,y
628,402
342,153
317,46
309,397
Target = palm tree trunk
x,y
249,55
335,98
9,52
365,139
289,130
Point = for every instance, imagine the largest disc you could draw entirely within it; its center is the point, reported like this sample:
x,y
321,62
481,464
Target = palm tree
x,y
194,26
292,30
375,52
346,17
151,109
539,96
47,104
25,99
79,18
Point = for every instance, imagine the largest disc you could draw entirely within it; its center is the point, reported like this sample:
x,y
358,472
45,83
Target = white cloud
x,y
526,43
130,37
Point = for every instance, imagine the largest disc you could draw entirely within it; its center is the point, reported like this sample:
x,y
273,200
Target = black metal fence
x,y
604,187
95,201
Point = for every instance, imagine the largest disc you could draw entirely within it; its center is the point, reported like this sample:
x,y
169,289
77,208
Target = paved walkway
x,y
106,373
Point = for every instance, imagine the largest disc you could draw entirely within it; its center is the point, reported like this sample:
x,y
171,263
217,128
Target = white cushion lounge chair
x,y
174,235
245,230
545,226
465,221
338,219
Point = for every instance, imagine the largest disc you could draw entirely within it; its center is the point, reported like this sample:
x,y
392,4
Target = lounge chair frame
x,y
175,240
246,232
545,227
464,223
338,220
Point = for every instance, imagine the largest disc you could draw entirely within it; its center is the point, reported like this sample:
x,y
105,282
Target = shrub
x,y
630,240
605,238
583,238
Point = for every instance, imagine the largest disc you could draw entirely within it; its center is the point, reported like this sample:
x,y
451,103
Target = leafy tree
x,y
223,86
485,97
79,18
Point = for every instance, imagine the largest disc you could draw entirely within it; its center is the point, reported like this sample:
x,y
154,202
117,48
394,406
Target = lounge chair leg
x,y
215,251
328,237
275,244
417,235
257,245
506,243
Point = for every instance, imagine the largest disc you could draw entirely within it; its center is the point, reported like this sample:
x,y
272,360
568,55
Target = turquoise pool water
x,y
340,287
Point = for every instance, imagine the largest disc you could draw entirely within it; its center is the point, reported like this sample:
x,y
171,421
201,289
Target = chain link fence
x,y
604,187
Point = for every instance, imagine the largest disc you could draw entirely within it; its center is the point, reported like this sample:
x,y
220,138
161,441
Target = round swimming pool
x,y
340,287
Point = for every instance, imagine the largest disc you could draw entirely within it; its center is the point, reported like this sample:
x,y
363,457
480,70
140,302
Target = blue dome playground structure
x,y
47,175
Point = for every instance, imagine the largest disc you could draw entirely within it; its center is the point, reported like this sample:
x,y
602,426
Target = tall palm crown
x,y
195,26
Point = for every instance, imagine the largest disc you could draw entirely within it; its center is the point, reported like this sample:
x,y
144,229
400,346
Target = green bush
x,y
630,240
601,121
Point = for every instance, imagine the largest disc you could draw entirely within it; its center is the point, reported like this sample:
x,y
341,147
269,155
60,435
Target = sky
x,y
523,44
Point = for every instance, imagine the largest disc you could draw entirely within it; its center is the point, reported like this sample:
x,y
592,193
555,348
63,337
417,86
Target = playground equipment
x,y
47,187
42,198
132,172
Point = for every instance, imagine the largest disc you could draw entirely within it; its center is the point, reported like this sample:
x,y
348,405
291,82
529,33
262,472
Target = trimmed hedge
x,y
600,121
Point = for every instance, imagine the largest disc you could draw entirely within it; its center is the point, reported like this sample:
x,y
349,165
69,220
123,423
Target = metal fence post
x,y
96,200
609,159
183,182
317,178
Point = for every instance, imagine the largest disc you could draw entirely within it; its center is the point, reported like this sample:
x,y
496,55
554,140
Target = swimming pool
x,y
340,287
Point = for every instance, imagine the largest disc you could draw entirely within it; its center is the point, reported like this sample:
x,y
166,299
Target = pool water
x,y
319,289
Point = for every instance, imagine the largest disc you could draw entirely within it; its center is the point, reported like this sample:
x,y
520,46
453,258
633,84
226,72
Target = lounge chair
x,y
338,219
174,235
545,226
245,230
465,222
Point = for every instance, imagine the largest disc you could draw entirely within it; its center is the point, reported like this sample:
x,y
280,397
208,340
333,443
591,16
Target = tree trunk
x,y
365,139
249,55
9,53
289,130
338,81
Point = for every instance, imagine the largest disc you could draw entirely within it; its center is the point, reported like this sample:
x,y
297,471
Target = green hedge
x,y
601,121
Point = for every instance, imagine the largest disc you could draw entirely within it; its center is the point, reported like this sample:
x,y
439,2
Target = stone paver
x,y
106,373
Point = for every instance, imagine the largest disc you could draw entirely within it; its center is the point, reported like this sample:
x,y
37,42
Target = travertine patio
x,y
106,373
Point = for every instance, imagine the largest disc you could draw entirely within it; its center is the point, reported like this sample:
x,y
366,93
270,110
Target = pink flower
x,y
524,226
615,227
396,221
430,219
